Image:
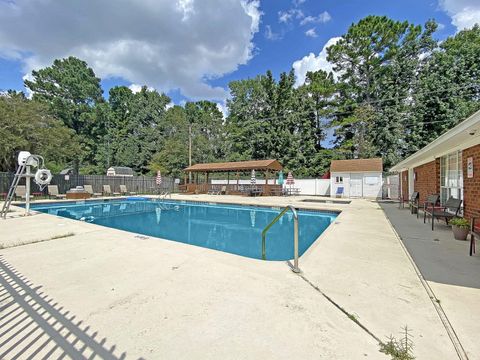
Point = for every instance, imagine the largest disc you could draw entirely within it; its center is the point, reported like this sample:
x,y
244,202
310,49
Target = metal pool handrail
x,y
295,235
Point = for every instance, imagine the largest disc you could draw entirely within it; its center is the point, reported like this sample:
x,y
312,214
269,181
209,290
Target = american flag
x,y
158,179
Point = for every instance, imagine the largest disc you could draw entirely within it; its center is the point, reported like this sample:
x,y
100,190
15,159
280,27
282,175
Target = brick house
x,y
449,166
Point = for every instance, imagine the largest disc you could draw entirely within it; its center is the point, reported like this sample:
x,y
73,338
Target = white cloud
x,y
298,2
464,13
313,62
321,18
135,88
165,44
270,35
311,32
223,108
289,15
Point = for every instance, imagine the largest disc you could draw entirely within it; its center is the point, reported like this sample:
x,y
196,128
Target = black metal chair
x,y
413,203
474,233
432,201
447,212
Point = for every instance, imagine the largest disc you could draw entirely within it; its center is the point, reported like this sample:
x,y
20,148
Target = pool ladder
x,y
295,235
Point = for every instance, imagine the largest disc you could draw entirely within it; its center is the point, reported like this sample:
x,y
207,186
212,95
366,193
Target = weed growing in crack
x,y
399,349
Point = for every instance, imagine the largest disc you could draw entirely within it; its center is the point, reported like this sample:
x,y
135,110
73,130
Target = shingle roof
x,y
354,165
261,165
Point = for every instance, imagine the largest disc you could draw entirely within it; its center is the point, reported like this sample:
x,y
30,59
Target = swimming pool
x,y
234,229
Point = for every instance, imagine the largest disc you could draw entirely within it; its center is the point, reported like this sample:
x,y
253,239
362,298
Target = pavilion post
x,y
228,177
238,179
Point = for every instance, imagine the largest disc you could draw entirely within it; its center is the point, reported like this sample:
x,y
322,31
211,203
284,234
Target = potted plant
x,y
460,227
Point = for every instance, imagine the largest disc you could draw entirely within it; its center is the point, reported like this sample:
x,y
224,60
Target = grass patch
x,y
55,237
61,236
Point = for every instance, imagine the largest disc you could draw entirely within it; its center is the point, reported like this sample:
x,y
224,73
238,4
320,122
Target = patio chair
x,y
108,191
53,192
21,192
474,234
223,190
89,189
339,192
124,190
414,203
447,212
432,201
214,191
256,191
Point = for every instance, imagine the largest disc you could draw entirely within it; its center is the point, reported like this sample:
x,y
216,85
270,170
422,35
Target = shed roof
x,y
121,170
357,165
261,165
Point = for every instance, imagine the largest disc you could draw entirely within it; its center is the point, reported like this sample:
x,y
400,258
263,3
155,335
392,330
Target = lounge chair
x,y
213,191
431,202
447,212
53,192
108,191
339,192
474,234
89,189
21,192
124,191
414,203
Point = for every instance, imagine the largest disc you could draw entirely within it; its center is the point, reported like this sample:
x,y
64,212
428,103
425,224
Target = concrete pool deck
x,y
151,298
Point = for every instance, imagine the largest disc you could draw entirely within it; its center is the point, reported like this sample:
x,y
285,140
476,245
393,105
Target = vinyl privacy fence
x,y
138,184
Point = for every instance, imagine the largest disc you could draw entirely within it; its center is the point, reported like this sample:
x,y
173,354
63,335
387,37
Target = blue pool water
x,y
230,228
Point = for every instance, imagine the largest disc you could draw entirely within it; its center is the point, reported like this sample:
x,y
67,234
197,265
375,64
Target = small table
x,y
78,195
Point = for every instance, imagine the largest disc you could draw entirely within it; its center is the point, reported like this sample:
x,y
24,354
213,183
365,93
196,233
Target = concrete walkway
x,y
110,293
451,273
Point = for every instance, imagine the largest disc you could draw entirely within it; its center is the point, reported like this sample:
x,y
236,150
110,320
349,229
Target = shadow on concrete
x,y
437,254
33,326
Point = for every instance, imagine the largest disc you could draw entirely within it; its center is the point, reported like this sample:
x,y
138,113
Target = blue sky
x,y
192,49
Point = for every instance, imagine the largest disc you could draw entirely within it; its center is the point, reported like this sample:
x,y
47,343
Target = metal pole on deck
x,y
28,174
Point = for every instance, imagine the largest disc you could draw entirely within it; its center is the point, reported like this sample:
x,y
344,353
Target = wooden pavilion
x,y
201,177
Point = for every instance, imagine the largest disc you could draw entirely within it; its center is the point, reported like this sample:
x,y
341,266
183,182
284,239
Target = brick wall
x,y
427,179
404,180
471,186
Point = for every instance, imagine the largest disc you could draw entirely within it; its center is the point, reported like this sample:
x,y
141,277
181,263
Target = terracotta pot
x,y
459,233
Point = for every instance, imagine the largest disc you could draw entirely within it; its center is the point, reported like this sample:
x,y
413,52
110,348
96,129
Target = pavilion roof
x,y
260,165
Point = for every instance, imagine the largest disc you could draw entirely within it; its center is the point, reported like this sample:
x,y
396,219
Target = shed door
x,y
356,181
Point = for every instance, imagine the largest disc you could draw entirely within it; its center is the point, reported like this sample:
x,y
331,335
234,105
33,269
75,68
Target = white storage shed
x,y
361,178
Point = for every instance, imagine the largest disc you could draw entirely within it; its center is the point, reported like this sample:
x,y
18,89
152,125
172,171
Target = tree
x,y
135,131
72,91
70,87
28,125
172,157
448,89
377,61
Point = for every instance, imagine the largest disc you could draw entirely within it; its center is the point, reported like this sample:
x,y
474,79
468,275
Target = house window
x,y
338,179
451,176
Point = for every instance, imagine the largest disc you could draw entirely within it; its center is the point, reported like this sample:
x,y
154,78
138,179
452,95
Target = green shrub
x,y
460,222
